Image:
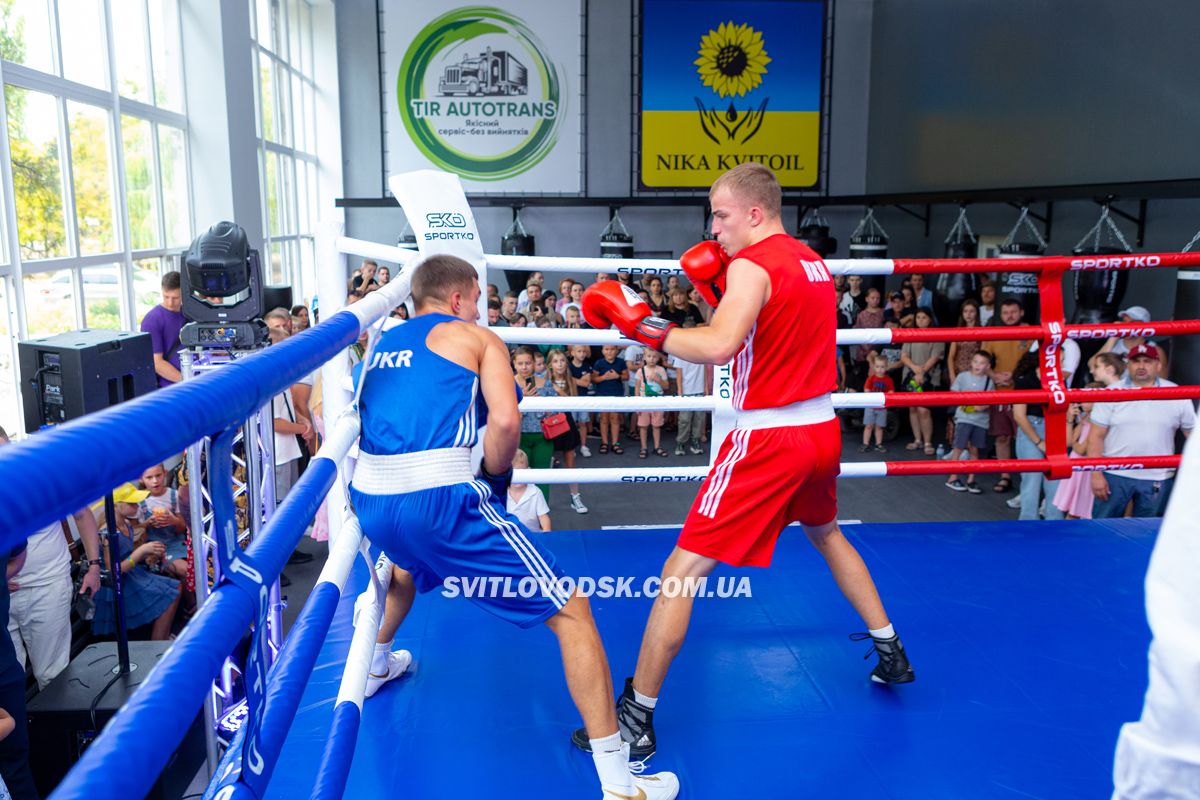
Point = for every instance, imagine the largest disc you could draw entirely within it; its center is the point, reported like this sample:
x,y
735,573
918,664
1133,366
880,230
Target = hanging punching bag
x,y
870,240
953,288
1099,293
1023,241
615,241
814,232
1021,286
516,242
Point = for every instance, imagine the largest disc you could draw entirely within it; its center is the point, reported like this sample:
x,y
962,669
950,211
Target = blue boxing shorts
x,y
462,531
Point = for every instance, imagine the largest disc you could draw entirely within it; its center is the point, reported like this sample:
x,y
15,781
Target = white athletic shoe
x,y
1013,502
659,786
577,504
583,451
397,663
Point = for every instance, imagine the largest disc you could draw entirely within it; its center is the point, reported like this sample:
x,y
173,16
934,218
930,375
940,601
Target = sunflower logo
x,y
732,62
732,59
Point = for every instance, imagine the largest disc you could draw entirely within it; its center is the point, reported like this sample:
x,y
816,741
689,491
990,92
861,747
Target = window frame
x,y
13,268
284,76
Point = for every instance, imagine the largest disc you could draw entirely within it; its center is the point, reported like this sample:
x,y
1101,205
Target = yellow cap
x,y
128,493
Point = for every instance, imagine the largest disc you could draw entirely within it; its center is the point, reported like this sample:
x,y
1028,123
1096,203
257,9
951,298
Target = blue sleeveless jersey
x,y
414,399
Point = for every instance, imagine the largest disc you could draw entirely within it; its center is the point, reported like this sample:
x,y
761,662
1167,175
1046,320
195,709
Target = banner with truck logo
x,y
723,83
490,94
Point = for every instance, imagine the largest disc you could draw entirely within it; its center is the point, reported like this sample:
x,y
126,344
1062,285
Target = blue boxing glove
x,y
497,483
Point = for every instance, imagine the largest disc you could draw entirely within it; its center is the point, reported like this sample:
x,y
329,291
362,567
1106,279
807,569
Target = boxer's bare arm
x,y
749,288
481,351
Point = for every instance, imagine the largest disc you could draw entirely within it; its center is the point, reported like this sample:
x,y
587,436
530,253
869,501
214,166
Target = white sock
x,y
648,702
379,661
885,632
612,764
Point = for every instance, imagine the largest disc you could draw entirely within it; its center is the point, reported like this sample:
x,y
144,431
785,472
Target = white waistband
x,y
412,472
806,412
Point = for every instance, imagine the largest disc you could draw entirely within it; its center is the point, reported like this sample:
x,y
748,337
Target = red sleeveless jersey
x,y
788,355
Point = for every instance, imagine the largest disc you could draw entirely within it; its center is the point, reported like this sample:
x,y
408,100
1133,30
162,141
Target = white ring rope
x,y
558,264
591,336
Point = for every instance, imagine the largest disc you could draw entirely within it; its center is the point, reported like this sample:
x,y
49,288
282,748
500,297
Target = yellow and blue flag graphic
x,y
727,82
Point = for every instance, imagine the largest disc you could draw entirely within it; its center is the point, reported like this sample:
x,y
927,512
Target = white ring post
x,y
723,418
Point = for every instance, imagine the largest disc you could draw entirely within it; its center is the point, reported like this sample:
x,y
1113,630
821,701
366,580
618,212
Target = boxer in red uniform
x,y
780,463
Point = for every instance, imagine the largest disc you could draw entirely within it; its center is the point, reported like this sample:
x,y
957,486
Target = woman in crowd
x,y
560,379
150,598
681,311
657,298
922,373
959,359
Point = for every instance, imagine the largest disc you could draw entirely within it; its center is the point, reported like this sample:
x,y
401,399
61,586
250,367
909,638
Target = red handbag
x,y
555,425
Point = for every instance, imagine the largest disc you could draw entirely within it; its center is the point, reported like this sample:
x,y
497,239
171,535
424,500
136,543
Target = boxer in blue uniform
x,y
417,499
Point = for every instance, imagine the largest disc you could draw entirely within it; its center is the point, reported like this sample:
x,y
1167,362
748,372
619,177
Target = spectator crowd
x,y
994,430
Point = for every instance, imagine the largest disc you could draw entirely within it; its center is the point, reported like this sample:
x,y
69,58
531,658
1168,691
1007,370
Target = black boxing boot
x,y
893,666
634,721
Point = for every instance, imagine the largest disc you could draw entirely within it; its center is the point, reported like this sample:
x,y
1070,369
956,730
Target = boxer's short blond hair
x,y
753,184
438,277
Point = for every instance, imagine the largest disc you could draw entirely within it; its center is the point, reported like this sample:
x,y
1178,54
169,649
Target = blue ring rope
x,y
102,451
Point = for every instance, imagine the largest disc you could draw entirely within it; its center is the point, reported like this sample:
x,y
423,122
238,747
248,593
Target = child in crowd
x,y
633,362
539,364
693,381
609,373
971,421
525,500
149,599
571,317
160,512
1074,495
651,381
558,376
1107,368
582,375
875,419
533,442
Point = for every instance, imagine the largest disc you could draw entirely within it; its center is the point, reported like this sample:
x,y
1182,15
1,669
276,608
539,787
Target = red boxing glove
x,y
611,303
705,264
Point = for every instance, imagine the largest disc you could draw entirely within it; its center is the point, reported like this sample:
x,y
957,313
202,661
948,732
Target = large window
x,y
96,140
286,127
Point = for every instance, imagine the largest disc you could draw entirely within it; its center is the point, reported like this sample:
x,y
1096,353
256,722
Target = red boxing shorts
x,y
762,480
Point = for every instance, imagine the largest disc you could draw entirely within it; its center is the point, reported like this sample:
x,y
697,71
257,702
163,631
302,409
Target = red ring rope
x,y
1050,335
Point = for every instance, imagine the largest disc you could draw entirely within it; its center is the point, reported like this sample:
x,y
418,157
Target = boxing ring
x,y
1017,630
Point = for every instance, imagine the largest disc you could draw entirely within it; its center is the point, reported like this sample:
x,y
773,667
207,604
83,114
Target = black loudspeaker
x,y
66,376
61,723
